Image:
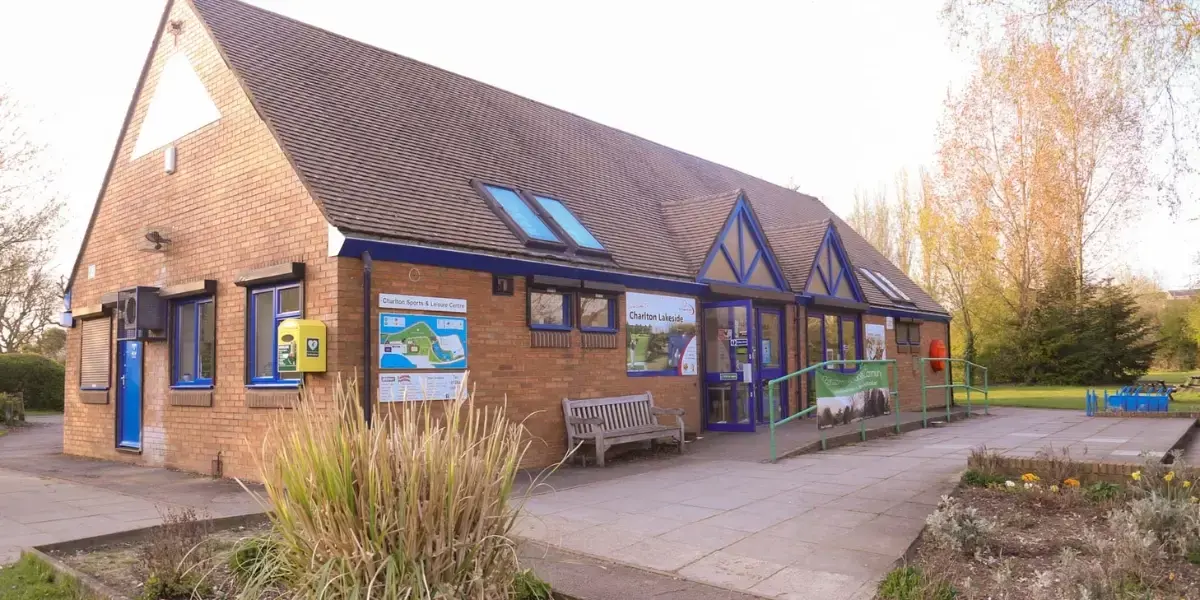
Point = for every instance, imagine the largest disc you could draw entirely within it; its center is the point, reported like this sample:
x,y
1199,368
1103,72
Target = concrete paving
x,y
827,525
46,497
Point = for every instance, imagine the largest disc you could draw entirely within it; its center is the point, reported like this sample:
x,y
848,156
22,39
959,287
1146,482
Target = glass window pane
x,y
717,333
832,341
546,308
850,340
289,300
208,341
264,335
771,351
186,344
566,219
594,313
522,214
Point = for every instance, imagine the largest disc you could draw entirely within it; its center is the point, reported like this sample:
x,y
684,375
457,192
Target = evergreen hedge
x,y
38,379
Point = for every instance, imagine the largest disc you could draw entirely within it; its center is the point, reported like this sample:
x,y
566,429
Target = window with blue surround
x,y
567,221
598,313
194,343
521,214
269,306
549,309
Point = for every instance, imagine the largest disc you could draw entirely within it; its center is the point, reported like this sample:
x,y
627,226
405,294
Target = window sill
x,y
550,327
94,389
273,386
598,329
185,387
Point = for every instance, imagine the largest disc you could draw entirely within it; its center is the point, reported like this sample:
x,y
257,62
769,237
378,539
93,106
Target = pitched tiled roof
x,y
695,222
798,246
388,146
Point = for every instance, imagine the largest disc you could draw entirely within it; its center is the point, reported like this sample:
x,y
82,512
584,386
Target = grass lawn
x,y
1072,397
31,579
43,412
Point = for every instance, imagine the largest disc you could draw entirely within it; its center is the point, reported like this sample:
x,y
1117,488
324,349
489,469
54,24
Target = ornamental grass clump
x,y
415,506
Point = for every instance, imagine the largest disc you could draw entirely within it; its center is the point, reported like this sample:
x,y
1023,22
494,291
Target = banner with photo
x,y
660,335
844,398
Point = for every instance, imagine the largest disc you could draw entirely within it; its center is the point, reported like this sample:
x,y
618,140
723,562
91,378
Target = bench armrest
x,y
584,420
654,410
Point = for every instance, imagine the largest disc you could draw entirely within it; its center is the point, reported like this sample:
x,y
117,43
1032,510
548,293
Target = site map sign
x,y
422,342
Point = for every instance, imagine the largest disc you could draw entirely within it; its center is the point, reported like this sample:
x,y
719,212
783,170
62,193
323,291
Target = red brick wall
x,y
233,203
503,367
909,366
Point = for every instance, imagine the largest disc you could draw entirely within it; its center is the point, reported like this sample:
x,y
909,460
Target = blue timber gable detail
x,y
740,255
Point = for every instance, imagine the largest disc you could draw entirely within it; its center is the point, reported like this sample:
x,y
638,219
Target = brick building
x,y
267,169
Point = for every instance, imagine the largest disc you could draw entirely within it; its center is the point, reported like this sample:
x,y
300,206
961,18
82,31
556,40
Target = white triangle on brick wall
x,y
180,105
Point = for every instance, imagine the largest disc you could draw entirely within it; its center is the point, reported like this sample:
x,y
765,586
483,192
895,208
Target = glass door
x,y
771,345
830,337
728,366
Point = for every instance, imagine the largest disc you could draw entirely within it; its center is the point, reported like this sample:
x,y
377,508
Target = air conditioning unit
x,y
141,314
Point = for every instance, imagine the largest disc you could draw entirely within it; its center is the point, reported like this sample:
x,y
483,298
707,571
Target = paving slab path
x,y
824,526
46,497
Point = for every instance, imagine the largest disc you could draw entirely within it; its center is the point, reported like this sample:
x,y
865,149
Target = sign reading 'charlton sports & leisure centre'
x,y
660,334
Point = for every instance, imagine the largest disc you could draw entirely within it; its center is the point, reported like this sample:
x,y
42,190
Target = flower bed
x,y
1050,535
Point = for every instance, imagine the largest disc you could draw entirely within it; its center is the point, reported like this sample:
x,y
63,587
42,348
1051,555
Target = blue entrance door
x,y
770,361
831,337
129,394
729,374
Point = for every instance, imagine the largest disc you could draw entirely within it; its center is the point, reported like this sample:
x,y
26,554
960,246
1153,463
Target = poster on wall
x,y
422,342
875,341
660,334
844,398
415,387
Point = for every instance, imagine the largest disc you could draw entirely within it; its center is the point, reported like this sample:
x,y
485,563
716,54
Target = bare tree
x,y
29,217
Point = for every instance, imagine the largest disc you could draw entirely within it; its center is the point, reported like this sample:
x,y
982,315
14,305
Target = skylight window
x,y
566,219
885,285
540,220
522,215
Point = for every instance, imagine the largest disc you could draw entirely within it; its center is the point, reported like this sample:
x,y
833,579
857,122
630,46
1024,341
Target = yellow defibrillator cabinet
x,y
301,346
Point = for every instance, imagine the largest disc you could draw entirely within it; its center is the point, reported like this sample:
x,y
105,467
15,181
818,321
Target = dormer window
x,y
539,220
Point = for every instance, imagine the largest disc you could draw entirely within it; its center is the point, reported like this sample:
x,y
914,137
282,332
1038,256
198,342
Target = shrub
x,y
1175,522
957,528
527,586
251,559
909,583
37,378
1058,466
1102,491
1125,563
173,554
980,479
412,506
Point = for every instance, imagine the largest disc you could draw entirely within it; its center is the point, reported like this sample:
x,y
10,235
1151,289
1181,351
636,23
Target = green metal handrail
x,y
773,387
953,386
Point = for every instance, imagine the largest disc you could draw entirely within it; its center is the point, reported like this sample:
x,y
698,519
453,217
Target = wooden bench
x,y
605,422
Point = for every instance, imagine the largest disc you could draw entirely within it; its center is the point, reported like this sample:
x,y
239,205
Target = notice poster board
x,y
415,387
660,335
844,398
875,341
422,342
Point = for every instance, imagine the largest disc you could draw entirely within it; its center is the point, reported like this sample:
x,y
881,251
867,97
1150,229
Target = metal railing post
x,y
924,398
894,392
948,390
969,382
987,405
771,396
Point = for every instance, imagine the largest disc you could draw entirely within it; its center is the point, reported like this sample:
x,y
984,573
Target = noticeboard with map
x,y
422,342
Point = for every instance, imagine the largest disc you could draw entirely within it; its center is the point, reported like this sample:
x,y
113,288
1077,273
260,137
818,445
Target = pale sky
x,y
831,95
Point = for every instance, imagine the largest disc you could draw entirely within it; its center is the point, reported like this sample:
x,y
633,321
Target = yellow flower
x,y
1030,478
1193,499
1169,476
1071,482
1136,475
1187,484
1054,488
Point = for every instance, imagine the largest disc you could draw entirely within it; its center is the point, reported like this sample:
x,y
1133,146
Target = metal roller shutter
x,y
94,362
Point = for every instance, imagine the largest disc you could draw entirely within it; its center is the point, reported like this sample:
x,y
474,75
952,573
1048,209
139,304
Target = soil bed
x,y
119,565
1024,557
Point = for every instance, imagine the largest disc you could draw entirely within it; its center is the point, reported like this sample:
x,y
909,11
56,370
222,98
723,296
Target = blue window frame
x,y
598,313
521,215
549,309
269,306
569,224
194,343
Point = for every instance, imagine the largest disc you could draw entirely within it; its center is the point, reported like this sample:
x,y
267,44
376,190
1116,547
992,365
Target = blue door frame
x,y
770,361
129,394
729,344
